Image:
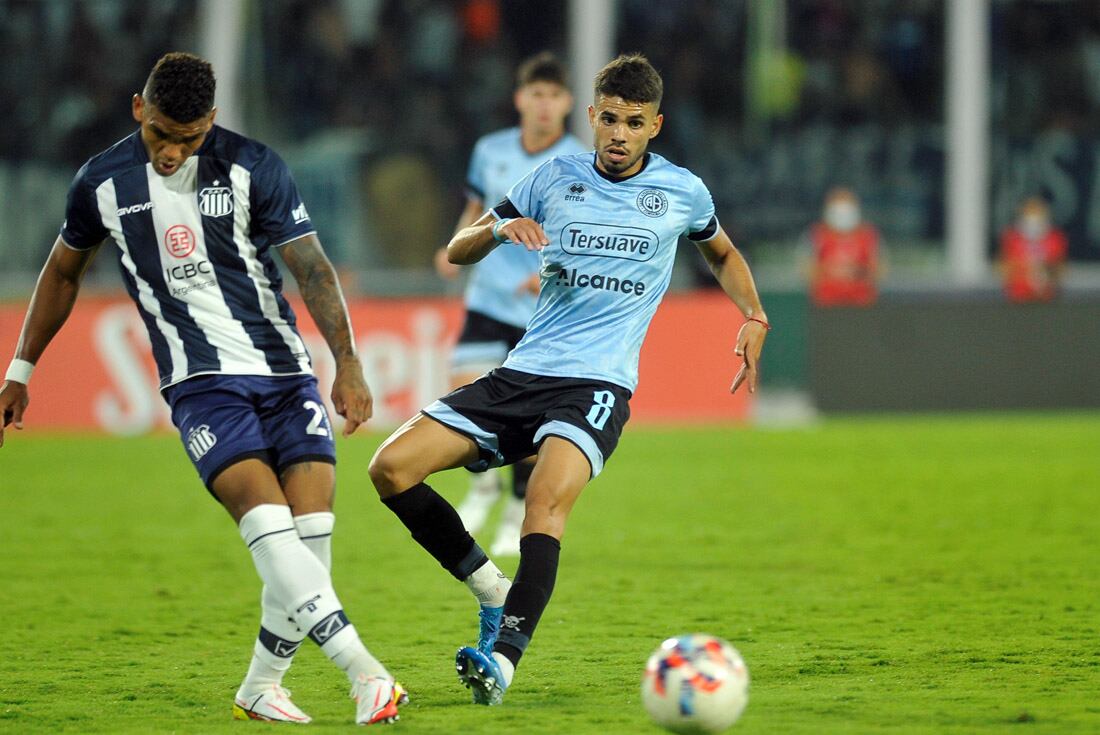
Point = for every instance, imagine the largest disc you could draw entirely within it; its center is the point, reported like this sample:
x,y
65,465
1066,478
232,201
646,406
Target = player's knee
x,y
545,515
389,474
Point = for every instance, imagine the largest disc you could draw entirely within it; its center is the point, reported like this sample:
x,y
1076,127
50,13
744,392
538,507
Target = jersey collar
x,y
620,179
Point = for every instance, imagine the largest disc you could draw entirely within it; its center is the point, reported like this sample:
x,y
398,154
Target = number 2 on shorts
x,y
318,425
602,403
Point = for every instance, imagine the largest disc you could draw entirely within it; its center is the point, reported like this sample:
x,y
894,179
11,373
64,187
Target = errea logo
x,y
575,191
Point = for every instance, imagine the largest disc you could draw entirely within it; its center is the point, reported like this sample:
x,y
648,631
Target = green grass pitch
x,y
923,575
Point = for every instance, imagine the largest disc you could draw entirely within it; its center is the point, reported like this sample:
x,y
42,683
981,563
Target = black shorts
x,y
484,343
509,413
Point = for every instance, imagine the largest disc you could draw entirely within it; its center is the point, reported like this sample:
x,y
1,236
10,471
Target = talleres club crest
x,y
216,201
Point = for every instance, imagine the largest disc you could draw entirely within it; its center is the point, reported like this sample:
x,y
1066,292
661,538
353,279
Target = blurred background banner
x,y
940,117
99,375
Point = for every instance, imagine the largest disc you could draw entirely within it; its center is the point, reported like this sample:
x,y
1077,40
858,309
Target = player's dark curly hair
x,y
181,86
544,67
631,77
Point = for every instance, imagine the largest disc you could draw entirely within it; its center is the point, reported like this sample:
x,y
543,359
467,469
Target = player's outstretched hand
x,y
13,402
750,341
445,268
526,232
351,397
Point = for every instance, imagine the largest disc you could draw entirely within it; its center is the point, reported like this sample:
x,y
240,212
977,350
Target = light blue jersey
x,y
495,287
608,264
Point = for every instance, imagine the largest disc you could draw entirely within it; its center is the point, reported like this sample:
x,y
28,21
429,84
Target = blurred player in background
x,y
607,224
196,212
844,259
1033,254
502,289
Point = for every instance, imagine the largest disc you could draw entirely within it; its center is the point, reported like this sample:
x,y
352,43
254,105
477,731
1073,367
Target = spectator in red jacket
x,y
845,265
1033,254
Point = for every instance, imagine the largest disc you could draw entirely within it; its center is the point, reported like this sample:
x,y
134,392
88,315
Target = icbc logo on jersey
x,y
179,241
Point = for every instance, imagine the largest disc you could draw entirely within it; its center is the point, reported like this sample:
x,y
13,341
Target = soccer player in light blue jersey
x,y
195,214
502,288
606,225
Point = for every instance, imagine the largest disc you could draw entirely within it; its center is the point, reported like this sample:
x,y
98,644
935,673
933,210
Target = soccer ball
x,y
695,684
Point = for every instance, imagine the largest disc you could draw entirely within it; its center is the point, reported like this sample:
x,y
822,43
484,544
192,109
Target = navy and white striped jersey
x,y
194,249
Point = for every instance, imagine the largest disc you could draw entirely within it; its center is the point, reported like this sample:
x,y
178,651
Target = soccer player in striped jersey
x,y
502,289
195,213
606,224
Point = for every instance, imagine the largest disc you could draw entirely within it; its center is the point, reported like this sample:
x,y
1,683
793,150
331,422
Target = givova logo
x,y
132,209
609,241
299,213
200,440
332,624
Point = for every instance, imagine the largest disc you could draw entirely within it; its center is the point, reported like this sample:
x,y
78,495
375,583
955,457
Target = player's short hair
x,y
631,77
543,67
181,86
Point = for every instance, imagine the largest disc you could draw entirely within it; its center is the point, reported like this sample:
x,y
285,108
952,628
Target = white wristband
x,y
19,371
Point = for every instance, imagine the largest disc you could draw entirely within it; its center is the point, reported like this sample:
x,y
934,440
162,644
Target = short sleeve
x,y
475,173
83,228
278,211
526,195
703,224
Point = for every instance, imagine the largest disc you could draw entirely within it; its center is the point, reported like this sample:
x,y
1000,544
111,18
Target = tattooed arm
x,y
320,290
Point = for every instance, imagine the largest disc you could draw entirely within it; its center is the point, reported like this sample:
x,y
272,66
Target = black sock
x,y
435,525
521,473
538,567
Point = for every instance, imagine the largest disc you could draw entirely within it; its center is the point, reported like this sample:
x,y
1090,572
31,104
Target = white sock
x,y
489,585
507,668
315,530
278,630
300,584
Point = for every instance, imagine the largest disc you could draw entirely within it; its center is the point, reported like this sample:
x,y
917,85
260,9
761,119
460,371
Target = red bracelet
x,y
767,326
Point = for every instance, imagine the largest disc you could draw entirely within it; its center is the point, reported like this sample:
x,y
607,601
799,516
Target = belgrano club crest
x,y
216,201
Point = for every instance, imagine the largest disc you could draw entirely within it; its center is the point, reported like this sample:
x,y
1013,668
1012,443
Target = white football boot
x,y
376,699
271,705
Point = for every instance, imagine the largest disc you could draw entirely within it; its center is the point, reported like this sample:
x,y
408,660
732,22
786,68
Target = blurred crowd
x,y
430,76
70,68
774,104
1046,67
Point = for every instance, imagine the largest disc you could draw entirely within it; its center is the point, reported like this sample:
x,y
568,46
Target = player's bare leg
x,y
298,598
560,474
419,448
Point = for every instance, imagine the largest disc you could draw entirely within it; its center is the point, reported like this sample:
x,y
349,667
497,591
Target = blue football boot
x,y
481,674
488,628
